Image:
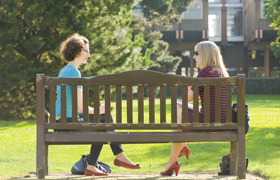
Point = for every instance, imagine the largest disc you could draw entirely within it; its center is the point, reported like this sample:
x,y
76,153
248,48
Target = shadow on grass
x,y
4,125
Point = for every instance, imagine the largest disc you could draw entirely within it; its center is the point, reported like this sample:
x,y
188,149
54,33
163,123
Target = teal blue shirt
x,y
67,71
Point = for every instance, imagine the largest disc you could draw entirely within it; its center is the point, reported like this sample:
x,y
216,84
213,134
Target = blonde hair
x,y
211,56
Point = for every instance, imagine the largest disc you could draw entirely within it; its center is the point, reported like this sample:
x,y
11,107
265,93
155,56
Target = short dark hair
x,y
73,46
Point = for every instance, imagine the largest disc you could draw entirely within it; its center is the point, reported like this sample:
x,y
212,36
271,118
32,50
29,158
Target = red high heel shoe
x,y
174,167
185,150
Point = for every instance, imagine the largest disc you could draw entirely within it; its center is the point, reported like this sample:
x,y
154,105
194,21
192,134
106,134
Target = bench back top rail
x,y
140,79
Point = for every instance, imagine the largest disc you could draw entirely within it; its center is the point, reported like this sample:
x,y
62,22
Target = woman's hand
x,y
102,109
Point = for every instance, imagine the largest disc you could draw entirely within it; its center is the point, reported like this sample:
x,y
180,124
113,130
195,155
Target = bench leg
x,y
46,159
41,162
233,157
241,166
40,154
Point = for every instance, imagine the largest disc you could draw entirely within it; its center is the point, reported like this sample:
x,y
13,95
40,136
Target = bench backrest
x,y
125,83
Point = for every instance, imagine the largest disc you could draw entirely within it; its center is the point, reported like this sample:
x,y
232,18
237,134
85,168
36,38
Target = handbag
x,y
225,165
247,117
80,166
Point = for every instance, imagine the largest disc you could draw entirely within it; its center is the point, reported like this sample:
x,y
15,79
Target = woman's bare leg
x,y
176,148
179,114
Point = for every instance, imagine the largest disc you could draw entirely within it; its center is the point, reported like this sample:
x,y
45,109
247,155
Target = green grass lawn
x,y
18,147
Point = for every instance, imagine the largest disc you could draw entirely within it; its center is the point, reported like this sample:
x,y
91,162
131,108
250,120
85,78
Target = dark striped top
x,y
210,72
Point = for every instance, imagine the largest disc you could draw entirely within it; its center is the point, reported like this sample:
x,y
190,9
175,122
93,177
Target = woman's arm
x,y
90,109
190,92
190,95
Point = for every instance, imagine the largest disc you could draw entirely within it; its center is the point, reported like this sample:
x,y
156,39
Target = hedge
x,y
253,86
262,85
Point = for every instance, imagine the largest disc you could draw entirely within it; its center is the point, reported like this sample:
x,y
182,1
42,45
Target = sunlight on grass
x,y
18,146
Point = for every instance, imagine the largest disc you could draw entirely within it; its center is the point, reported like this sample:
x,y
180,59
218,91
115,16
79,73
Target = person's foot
x,y
175,167
125,165
93,171
122,160
185,151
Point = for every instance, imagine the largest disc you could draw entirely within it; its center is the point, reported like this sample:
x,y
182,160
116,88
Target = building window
x,y
195,71
256,54
233,71
256,72
234,1
214,1
263,7
194,12
245,23
214,22
234,21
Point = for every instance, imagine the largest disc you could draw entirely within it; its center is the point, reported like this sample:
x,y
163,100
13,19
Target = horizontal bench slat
x,y
137,137
134,78
110,126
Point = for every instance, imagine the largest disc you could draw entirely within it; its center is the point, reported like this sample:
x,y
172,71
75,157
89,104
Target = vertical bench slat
x,y
241,126
185,104
74,104
40,108
129,106
228,104
207,104
107,104
140,104
85,103
118,104
63,103
151,104
162,104
174,104
218,104
195,105
52,103
96,92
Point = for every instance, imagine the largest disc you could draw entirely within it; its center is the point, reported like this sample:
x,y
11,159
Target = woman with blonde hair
x,y
209,59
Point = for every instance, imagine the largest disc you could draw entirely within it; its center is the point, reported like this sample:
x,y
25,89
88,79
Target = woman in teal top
x,y
75,51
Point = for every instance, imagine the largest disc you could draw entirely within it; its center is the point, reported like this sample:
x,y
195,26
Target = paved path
x,y
138,177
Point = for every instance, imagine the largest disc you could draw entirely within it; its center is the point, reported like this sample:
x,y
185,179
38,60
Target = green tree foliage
x,y
164,12
272,13
161,60
32,30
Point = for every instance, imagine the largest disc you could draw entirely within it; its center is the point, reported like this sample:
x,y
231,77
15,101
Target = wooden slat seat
x,y
135,128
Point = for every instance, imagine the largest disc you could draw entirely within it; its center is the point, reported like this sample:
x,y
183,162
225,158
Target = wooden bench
x,y
125,83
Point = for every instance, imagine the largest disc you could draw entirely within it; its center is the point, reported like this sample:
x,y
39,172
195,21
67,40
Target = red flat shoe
x,y
125,165
185,150
91,173
174,167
